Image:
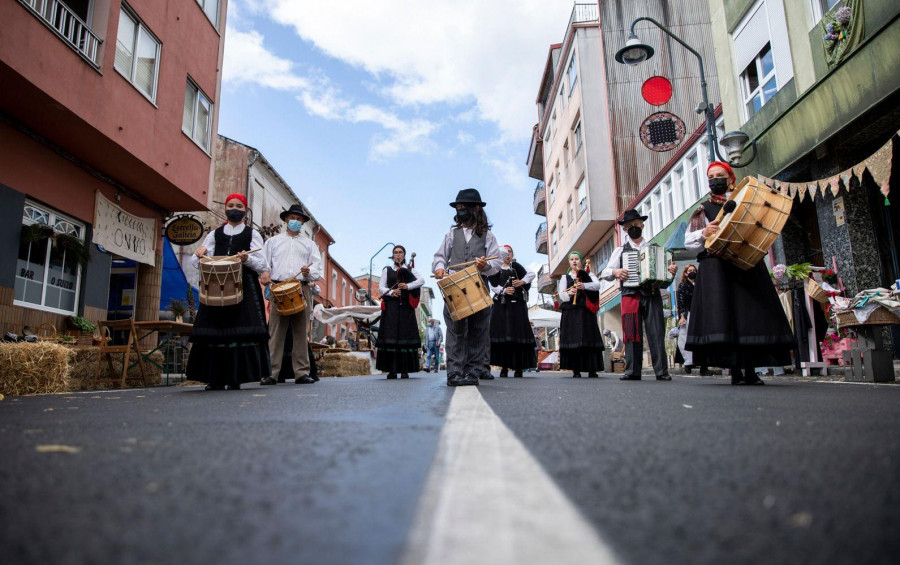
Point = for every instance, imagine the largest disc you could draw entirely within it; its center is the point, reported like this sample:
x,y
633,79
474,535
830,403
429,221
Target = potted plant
x,y
178,309
81,331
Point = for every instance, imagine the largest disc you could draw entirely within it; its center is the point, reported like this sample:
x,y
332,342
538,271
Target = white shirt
x,y
255,261
563,284
492,249
286,255
694,240
529,276
382,284
616,258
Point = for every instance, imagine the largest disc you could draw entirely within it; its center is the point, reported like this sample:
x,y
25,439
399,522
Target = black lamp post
x,y
634,52
370,266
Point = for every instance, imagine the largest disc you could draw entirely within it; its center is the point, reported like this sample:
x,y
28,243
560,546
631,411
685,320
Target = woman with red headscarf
x,y
512,340
736,318
231,343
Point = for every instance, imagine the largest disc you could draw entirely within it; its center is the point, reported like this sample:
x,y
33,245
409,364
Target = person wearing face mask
x,y
230,343
433,339
736,318
470,239
292,256
512,339
685,296
641,306
580,342
398,336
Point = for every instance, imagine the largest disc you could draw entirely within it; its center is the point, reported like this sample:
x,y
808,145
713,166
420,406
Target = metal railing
x,y
542,228
540,195
584,13
68,26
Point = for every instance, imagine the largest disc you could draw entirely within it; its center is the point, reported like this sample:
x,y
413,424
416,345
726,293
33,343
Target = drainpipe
x,y
254,156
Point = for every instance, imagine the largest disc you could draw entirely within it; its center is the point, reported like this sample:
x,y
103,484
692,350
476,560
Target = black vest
x,y
232,244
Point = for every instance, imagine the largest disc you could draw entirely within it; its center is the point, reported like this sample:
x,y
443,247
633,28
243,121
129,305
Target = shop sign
x,y
124,234
184,230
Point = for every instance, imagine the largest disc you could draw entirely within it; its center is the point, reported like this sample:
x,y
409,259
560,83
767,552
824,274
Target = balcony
x,y
540,199
545,283
67,26
582,13
535,161
540,239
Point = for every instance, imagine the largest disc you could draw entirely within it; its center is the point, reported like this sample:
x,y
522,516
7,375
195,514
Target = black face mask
x,y
234,215
692,275
718,186
463,216
635,232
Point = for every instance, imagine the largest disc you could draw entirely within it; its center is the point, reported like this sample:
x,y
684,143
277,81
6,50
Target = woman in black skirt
x,y
512,340
580,342
398,334
230,344
736,319
685,296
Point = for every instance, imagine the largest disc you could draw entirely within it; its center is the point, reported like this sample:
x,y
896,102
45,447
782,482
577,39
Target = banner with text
x,y
124,234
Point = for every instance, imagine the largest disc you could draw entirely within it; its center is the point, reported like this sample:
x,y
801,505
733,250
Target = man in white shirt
x,y
433,339
291,256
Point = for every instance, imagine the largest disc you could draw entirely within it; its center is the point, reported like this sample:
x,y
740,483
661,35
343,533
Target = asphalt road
x,y
690,471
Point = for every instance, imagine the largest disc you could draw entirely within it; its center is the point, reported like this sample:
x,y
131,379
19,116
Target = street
x,y
534,470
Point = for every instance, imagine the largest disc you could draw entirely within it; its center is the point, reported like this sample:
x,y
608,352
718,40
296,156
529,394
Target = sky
x,y
378,113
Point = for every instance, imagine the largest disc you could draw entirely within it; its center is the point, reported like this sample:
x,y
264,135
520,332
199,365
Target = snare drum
x,y
746,235
288,297
221,282
464,293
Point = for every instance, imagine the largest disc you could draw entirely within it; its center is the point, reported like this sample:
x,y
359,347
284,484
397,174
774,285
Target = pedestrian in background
x,y
433,339
685,297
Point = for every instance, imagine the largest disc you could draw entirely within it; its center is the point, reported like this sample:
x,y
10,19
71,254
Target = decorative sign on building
x,y
662,131
184,230
124,234
656,90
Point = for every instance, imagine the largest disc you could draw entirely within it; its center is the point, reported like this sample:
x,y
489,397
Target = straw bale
x,y
34,368
84,366
343,365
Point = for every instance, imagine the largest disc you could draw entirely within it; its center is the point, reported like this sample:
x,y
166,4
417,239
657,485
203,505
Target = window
x,y
695,175
601,258
343,293
572,74
137,53
552,191
553,125
333,284
820,8
669,200
562,97
197,119
684,192
548,150
571,210
657,211
554,241
562,227
566,153
48,276
758,84
582,197
211,9
577,137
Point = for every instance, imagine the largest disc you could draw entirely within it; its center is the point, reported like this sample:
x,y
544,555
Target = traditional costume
x,y
580,342
512,339
737,320
468,340
684,298
230,343
398,334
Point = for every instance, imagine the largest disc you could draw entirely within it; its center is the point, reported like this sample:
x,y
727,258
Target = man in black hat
x,y
641,306
470,239
291,256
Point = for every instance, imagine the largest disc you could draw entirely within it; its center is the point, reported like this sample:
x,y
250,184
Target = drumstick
x,y
300,273
471,262
251,251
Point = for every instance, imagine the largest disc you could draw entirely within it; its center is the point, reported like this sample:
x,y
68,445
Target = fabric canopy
x,y
544,318
337,315
174,283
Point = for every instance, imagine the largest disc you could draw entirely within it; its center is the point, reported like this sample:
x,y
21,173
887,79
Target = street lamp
x,y
634,52
370,266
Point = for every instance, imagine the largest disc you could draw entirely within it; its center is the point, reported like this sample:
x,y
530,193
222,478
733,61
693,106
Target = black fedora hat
x,y
295,209
631,215
468,196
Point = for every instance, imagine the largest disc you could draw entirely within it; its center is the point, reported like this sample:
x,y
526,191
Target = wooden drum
x,y
746,234
288,297
221,282
464,293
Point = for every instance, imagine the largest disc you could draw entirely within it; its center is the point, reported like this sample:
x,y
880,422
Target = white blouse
x,y
255,261
564,284
383,287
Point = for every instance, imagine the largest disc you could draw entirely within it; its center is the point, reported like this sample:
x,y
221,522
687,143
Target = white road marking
x,y
487,500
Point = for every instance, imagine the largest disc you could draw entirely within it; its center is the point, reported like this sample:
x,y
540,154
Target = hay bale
x,y
34,368
84,366
343,365
343,344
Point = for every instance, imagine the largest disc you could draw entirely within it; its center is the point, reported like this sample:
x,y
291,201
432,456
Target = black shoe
x,y
688,369
392,375
504,373
486,377
576,375
754,381
268,381
737,378
454,379
705,373
281,380
629,378
304,380
664,378
233,387
518,374
593,375
404,376
214,387
470,380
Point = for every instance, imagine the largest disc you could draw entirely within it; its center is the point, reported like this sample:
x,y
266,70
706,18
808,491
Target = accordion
x,y
648,267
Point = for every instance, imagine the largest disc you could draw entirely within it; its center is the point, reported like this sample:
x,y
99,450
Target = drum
x,y
464,293
288,297
221,282
746,234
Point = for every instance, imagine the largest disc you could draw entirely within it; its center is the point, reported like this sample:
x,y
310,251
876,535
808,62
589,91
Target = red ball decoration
x,y
657,90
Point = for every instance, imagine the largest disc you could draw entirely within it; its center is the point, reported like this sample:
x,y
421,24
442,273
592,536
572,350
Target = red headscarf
x,y
237,196
725,166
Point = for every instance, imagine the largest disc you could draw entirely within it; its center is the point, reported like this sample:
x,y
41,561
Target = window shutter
x,y
752,36
781,49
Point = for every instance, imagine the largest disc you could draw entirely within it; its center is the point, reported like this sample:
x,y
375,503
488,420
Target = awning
x,y
542,318
174,283
616,300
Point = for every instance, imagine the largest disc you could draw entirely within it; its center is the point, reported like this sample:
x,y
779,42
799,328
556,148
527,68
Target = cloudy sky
x,y
378,113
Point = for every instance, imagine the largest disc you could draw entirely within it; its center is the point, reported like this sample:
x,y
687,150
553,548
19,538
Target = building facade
x,y
107,114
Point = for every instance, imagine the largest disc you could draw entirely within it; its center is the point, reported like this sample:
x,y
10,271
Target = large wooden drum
x,y
288,297
221,282
746,234
465,293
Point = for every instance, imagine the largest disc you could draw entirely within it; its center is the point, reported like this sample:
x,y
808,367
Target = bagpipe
x,y
518,272
590,298
405,275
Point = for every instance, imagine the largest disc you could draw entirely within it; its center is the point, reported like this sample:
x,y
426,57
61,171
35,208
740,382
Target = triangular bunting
x,y
858,171
835,183
845,177
801,189
879,166
813,190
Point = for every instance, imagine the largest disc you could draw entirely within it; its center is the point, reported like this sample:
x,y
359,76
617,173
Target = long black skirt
x,y
398,338
230,344
580,342
512,341
736,318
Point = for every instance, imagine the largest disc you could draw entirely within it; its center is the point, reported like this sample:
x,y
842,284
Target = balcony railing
x,y
540,200
68,26
584,13
540,238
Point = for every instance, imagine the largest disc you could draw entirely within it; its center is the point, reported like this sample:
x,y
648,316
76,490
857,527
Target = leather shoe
x,y
454,379
304,380
664,378
504,373
518,374
593,375
268,381
470,380
754,381
576,375
214,387
404,376
629,378
392,375
486,377
233,387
